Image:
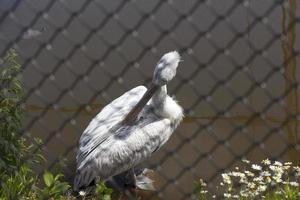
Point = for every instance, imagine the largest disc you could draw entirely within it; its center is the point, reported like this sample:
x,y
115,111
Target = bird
x,y
130,129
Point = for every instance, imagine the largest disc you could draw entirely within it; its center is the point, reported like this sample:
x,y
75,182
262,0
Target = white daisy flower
x,y
226,178
294,184
288,163
262,188
265,173
227,195
277,179
277,163
266,162
248,173
82,193
256,167
251,185
258,179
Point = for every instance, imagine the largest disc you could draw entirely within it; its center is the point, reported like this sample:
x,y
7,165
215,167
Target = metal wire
x,y
238,83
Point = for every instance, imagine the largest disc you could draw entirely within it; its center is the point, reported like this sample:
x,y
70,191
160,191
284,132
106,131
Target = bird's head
x,y
164,72
165,69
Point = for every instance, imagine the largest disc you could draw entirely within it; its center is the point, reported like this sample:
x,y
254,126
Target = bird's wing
x,y
100,128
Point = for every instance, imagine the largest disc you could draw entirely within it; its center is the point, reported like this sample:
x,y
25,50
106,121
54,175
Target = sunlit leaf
x,y
48,178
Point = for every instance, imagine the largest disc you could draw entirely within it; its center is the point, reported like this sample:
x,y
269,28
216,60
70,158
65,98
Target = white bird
x,y
129,129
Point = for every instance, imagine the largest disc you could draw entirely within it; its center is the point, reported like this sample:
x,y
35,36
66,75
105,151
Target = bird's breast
x,y
170,110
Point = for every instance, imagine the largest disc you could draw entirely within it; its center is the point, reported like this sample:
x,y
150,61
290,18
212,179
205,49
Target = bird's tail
x,y
84,181
79,190
76,182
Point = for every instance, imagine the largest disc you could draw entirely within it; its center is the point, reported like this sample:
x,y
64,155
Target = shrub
x,y
11,146
18,181
16,176
53,188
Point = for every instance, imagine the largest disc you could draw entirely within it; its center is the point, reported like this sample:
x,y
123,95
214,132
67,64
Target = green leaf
x,y
48,178
106,197
61,187
58,176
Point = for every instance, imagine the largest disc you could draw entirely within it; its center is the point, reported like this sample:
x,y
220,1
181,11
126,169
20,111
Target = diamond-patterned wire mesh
x,y
238,84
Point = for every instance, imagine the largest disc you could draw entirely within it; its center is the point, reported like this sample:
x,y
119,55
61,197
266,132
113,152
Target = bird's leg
x,y
130,180
130,183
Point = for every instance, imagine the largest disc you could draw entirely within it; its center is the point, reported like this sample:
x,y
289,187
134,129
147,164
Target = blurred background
x,y
238,84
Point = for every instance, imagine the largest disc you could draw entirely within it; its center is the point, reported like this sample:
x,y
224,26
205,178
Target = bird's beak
x,y
132,115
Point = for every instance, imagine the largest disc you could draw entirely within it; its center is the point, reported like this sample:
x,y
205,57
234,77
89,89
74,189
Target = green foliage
x,y
17,179
103,192
270,181
54,188
200,189
11,146
19,185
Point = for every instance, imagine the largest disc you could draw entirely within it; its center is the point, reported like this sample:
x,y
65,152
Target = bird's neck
x,y
166,107
159,97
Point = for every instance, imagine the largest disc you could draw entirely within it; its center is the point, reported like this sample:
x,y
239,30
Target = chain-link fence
x,y
238,84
